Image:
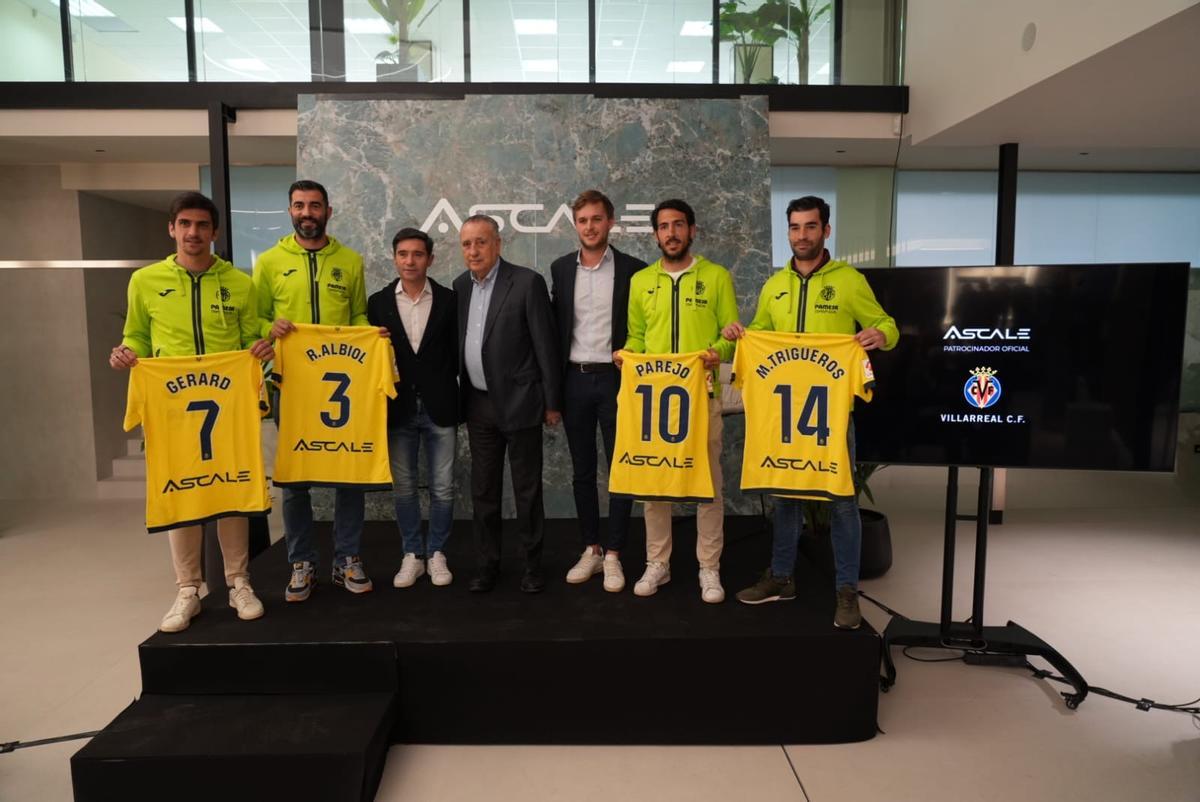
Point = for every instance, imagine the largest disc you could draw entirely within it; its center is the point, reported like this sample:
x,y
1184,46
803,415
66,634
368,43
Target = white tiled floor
x,y
1102,566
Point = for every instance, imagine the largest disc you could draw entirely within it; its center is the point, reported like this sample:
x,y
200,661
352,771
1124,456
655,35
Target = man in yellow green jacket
x,y
310,277
194,302
679,305
814,293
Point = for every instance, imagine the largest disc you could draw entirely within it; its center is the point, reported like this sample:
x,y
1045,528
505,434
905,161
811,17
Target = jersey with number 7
x,y
334,384
798,390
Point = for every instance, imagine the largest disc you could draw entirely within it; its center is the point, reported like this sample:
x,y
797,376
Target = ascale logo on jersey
x,y
983,389
655,460
205,480
334,446
798,464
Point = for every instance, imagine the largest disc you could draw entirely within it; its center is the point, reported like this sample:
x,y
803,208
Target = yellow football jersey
x,y
798,390
334,384
661,451
201,418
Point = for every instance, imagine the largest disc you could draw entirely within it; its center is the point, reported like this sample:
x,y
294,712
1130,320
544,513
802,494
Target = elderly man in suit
x,y
511,381
591,303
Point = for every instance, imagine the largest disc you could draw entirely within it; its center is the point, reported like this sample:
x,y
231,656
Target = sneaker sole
x,y
616,589
440,582
767,599
364,589
652,590
396,583
836,625
254,617
289,596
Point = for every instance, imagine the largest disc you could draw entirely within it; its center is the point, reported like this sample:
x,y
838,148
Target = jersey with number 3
x,y
661,451
201,419
798,390
334,382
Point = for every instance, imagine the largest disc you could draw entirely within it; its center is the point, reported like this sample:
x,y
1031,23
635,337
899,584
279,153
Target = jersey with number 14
x,y
334,382
661,451
201,418
798,390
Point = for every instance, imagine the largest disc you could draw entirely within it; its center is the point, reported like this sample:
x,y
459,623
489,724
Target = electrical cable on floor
x,y
1191,707
12,746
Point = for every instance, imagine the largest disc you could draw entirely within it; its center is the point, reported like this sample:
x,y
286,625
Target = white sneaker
x,y
590,563
411,569
710,586
185,608
614,574
439,572
657,575
242,599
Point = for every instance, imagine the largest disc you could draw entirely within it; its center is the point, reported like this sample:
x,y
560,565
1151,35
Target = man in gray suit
x,y
511,381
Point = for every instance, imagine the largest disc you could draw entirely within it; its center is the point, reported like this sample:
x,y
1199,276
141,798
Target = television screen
x,y
1057,366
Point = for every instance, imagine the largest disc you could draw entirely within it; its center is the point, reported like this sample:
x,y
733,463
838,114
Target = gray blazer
x,y
520,347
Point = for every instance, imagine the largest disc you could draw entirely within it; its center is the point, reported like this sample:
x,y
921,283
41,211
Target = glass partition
x,y
252,41
656,42
534,42
128,40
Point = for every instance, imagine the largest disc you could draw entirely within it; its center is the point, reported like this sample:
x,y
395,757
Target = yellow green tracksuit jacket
x,y
676,317
324,286
172,312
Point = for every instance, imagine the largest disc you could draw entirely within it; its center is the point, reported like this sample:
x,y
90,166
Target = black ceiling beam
x,y
121,95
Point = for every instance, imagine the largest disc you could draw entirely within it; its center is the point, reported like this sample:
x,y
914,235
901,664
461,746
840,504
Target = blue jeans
x,y
845,529
298,524
404,440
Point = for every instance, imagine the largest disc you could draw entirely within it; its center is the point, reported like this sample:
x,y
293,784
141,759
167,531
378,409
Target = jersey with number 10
x,y
661,451
798,390
201,418
334,384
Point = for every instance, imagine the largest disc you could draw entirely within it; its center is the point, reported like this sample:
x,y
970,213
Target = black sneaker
x,y
847,615
768,589
350,574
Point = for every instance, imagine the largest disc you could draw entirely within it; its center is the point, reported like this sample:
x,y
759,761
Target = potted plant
x,y
397,64
876,551
754,34
796,21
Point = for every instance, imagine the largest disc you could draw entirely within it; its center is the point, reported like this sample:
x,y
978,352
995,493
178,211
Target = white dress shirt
x,y
591,328
414,315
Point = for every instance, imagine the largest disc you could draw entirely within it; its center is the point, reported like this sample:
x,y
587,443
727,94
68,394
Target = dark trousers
x,y
591,399
488,446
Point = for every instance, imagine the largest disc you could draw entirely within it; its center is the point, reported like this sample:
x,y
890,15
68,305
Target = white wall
x,y
964,56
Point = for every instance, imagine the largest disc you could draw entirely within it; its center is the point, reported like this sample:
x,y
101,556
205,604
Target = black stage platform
x,y
573,664
510,667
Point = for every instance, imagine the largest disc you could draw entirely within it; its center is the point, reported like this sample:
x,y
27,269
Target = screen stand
x,y
1008,645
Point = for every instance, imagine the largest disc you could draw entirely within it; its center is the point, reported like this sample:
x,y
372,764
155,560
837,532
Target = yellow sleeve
x,y
386,368
864,375
739,364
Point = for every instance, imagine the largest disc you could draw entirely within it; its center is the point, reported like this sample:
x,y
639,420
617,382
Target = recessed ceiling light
x,y
88,8
618,42
536,27
252,64
539,65
696,27
367,25
203,24
685,66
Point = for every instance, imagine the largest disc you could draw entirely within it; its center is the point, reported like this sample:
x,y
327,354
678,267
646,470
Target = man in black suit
x,y
591,304
422,319
511,381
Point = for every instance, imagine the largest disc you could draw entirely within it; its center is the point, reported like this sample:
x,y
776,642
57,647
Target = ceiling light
x,y
536,27
685,66
539,65
367,25
246,64
618,42
203,24
697,27
88,8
